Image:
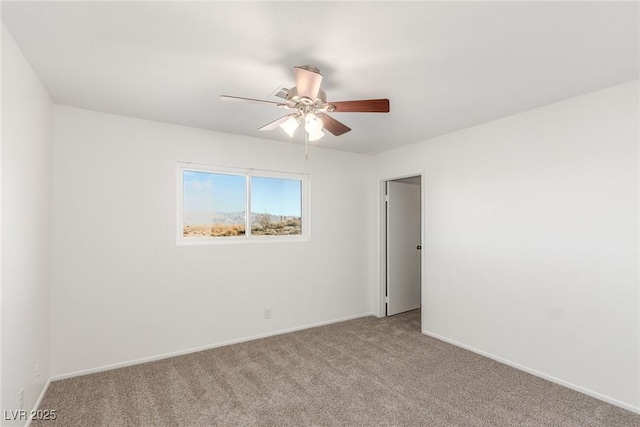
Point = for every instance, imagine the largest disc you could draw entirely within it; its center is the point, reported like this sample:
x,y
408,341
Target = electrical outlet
x,y
267,313
37,372
21,398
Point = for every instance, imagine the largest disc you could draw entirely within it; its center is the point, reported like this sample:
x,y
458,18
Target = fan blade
x,y
251,100
274,124
307,82
364,106
334,126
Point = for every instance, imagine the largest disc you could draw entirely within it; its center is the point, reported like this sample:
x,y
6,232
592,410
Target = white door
x,y
403,247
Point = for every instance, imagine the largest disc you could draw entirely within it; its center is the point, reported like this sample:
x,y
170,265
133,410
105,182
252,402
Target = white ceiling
x,y
444,65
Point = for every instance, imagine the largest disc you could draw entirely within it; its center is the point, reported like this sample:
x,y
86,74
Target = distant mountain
x,y
202,218
206,218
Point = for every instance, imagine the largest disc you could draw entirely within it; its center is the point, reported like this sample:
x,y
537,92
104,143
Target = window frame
x,y
247,173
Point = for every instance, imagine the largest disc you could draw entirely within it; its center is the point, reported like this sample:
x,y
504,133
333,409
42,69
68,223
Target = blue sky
x,y
276,196
211,192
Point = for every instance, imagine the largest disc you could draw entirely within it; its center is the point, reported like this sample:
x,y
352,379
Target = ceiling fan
x,y
309,105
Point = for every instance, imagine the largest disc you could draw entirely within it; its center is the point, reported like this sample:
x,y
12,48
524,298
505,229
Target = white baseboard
x,y
39,401
531,371
206,347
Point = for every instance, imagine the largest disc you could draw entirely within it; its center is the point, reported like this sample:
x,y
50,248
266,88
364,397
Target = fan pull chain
x,y
306,143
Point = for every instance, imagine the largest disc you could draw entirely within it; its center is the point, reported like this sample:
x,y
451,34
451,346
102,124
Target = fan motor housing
x,y
305,105
292,95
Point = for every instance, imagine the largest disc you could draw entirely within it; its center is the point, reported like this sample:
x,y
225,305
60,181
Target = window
x,y
213,204
220,204
276,206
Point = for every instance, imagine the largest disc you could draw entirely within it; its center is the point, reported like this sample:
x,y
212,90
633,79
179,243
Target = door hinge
x,y
386,300
386,197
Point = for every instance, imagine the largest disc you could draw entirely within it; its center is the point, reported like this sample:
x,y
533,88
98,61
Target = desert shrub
x,y
264,220
218,230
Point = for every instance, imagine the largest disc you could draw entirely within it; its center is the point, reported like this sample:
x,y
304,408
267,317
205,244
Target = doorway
x,y
402,237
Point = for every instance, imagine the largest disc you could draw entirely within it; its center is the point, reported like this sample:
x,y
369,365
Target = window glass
x,y
214,204
276,206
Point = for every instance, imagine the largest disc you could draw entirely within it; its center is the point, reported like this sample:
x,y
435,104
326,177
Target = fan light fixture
x,y
316,135
290,125
312,125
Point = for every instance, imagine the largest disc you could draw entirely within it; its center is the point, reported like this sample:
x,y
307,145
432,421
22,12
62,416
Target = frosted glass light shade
x,y
290,126
316,135
312,123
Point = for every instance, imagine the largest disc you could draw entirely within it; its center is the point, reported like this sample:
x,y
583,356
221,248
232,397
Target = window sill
x,y
240,240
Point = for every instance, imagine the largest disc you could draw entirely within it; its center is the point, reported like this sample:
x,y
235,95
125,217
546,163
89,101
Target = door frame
x,y
382,290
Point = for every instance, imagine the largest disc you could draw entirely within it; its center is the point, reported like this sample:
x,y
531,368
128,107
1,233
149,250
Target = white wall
x,y
27,121
121,288
531,239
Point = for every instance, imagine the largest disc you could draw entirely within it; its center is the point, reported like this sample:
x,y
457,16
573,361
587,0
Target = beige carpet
x,y
364,372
